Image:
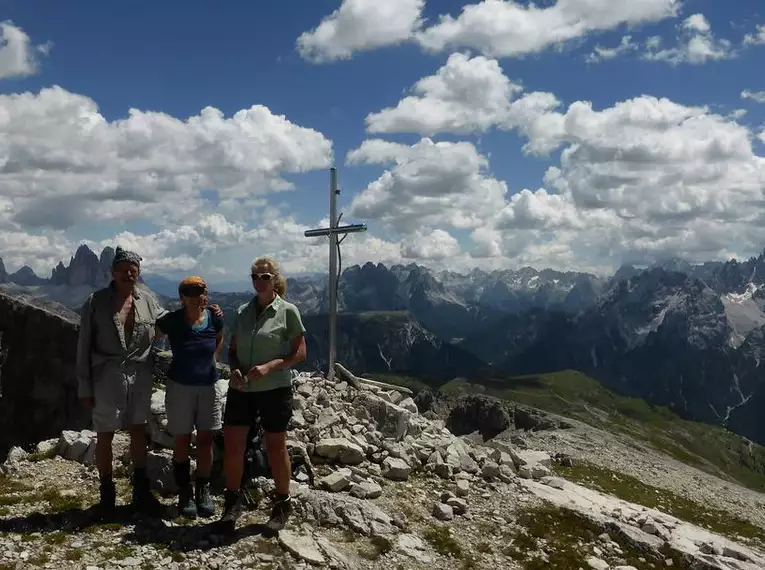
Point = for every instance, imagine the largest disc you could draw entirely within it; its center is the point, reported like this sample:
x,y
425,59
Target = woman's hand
x,y
217,311
237,379
257,372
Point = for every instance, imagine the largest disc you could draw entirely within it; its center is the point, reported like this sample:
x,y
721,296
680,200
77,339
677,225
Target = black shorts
x,y
273,407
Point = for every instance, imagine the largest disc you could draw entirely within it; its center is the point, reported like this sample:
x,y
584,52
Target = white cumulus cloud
x,y
696,44
466,95
62,162
18,57
440,185
359,25
757,37
642,179
435,245
756,96
506,28
496,28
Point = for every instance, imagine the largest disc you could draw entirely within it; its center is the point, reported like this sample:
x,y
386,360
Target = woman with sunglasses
x,y
267,340
195,333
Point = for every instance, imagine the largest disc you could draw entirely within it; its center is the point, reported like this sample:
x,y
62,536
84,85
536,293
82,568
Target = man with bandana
x,y
114,369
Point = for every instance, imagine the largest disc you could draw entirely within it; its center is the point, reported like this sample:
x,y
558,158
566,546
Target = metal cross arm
x,y
349,229
333,231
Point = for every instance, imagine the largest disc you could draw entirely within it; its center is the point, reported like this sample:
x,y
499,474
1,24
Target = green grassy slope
x,y
574,395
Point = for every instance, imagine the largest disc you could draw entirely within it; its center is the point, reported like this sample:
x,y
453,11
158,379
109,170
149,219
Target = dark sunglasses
x,y
262,276
193,291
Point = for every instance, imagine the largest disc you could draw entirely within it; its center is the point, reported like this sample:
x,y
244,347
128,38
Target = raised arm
x,y
161,321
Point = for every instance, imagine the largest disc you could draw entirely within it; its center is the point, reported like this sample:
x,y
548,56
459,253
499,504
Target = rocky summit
x,y
393,489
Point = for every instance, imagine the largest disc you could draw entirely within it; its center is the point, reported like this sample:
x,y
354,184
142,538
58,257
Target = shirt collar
x,y
272,306
113,288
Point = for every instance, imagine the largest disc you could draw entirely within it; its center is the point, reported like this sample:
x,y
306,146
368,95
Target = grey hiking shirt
x,y
103,352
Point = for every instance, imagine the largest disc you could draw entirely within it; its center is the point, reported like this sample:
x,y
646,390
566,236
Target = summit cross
x,y
333,232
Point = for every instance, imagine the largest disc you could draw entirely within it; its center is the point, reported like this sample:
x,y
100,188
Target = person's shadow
x,y
161,528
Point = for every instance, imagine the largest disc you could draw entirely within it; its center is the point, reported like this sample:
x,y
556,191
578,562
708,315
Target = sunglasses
x,y
193,291
262,276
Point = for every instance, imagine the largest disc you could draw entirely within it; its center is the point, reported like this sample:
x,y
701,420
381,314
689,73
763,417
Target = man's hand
x,y
237,379
217,311
257,372
87,403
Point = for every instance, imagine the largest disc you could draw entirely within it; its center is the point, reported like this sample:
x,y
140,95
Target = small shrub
x,y
73,555
442,541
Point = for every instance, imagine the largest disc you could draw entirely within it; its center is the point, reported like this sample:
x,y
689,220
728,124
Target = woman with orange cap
x,y
195,333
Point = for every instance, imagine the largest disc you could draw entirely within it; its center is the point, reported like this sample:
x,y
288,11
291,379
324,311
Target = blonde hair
x,y
280,283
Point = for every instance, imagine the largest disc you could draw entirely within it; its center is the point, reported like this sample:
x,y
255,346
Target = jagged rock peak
x,y
85,268
3,272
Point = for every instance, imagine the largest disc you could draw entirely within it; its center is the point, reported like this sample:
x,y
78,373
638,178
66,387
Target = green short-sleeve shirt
x,y
265,337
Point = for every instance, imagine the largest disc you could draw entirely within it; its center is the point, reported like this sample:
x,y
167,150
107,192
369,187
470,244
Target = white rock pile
x,y
369,443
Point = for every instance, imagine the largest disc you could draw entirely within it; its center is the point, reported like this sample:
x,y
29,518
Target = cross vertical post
x,y
333,277
333,232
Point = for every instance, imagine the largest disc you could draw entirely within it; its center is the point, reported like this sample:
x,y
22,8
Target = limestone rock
x,y
396,469
327,509
304,547
443,512
341,450
366,490
597,563
337,481
391,420
413,546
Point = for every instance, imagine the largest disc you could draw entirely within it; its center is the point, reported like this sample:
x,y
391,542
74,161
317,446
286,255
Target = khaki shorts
x,y
121,400
190,407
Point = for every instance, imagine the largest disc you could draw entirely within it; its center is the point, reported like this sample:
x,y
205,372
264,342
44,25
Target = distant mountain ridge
x,y
691,337
69,284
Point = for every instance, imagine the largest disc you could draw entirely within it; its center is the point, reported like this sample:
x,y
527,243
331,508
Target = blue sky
x,y
181,57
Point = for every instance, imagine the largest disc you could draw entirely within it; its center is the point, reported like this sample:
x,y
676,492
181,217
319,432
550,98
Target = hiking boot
x,y
186,505
280,513
143,500
232,510
108,496
204,503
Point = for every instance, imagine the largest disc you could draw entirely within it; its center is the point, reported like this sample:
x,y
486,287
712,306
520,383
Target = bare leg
x,y
205,454
138,445
234,442
181,451
104,456
279,460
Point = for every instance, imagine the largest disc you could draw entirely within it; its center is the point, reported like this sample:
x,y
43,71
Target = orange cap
x,y
192,281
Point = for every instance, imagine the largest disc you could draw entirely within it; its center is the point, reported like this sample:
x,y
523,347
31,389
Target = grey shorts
x,y
189,407
121,399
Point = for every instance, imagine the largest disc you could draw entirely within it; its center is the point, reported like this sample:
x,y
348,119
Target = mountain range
x,y
689,337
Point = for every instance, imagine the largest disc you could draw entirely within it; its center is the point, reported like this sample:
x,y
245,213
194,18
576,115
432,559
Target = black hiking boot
x,y
232,510
107,496
280,513
143,500
204,503
186,505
